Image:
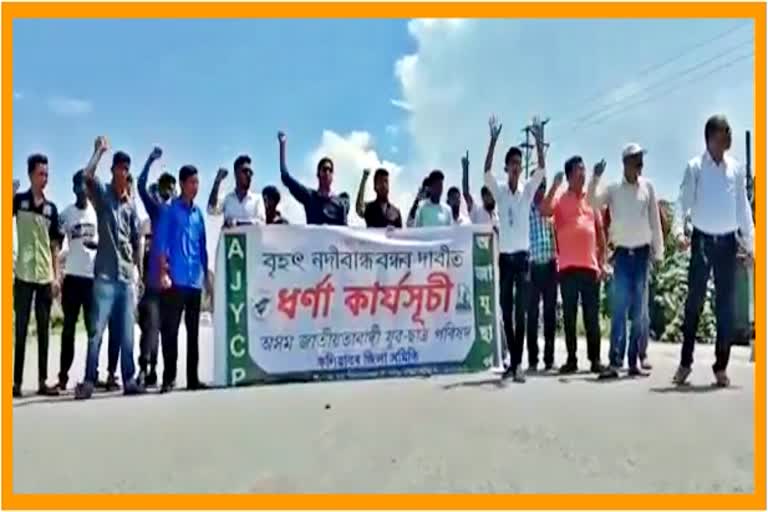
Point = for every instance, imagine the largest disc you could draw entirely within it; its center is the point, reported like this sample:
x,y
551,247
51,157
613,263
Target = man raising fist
x,y
241,207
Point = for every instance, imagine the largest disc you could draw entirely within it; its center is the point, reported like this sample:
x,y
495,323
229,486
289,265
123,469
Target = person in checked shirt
x,y
714,195
543,284
637,239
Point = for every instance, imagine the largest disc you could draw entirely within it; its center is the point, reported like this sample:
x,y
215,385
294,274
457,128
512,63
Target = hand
x,y
599,168
465,162
495,127
16,186
221,174
281,137
165,282
101,145
558,180
366,173
157,152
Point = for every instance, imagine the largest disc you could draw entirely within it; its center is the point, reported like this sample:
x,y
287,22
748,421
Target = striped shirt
x,y
542,236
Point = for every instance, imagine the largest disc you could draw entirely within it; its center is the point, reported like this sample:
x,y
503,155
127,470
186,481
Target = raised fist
x,y
495,127
221,174
157,152
366,173
101,145
537,129
281,137
465,161
599,168
558,179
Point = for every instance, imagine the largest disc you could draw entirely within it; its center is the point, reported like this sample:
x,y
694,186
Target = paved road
x,y
463,433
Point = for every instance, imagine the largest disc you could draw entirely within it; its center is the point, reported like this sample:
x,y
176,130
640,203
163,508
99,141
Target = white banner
x,y
320,302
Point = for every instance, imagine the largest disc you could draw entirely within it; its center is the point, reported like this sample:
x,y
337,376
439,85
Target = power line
x,y
604,95
598,112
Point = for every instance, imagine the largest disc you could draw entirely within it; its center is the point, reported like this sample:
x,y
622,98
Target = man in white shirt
x,y
637,238
513,200
241,206
431,212
454,203
714,195
78,224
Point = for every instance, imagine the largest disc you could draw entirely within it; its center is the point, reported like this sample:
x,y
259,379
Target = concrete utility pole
x,y
528,145
750,177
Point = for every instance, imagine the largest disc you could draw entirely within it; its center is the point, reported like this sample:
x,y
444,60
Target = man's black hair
x,y
434,176
454,190
512,152
166,179
571,163
271,192
119,158
715,124
380,173
241,161
325,160
187,172
78,176
35,160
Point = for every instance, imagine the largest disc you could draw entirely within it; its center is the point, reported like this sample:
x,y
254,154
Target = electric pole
x,y
529,144
750,178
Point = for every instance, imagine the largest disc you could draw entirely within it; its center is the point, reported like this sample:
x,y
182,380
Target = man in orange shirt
x,y
581,259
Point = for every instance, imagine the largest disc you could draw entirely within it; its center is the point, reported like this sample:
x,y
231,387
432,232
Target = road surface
x,y
461,433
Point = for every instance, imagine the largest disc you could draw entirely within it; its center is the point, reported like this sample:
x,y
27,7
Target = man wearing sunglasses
x,y
321,206
241,207
636,234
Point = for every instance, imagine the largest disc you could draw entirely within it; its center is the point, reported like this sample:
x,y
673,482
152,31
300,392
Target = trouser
x,y
113,307
76,294
630,277
23,295
113,352
515,277
642,343
149,321
581,284
176,301
543,289
710,253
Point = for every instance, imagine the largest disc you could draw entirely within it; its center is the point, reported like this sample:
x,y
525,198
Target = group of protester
x,y
546,239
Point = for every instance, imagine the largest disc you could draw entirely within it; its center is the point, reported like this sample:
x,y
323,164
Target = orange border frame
x,y
755,11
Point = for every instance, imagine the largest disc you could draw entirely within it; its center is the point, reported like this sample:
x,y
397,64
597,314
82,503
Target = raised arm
x,y
214,208
495,128
89,172
465,182
597,198
547,207
297,190
412,213
150,203
360,202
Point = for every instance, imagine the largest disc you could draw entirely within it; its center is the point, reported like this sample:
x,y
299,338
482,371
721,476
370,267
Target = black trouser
x,y
514,276
543,289
710,254
176,301
113,353
76,294
23,294
149,321
575,284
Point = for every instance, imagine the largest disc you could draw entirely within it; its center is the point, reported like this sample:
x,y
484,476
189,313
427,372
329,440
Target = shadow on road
x,y
496,382
692,388
69,396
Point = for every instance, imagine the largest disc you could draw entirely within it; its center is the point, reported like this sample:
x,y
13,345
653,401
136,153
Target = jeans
x,y
23,295
149,321
642,343
176,301
514,276
543,289
76,294
575,284
630,278
710,253
113,307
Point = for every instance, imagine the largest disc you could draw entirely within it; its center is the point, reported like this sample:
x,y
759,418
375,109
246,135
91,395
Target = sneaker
x,y
519,375
644,364
167,387
62,385
681,376
721,379
112,384
83,391
151,380
17,391
548,367
569,368
509,372
133,388
533,368
46,390
141,379
634,371
197,386
610,373
596,367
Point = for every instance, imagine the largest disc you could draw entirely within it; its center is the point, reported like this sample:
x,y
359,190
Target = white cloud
x,y
401,105
64,106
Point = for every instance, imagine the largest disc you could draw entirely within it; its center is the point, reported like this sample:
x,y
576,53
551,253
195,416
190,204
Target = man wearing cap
x,y
713,196
635,232
241,207
514,199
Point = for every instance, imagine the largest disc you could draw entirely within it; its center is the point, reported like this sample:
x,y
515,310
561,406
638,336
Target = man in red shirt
x,y
581,259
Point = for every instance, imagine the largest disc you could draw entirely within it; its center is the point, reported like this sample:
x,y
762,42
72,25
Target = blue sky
x,y
413,94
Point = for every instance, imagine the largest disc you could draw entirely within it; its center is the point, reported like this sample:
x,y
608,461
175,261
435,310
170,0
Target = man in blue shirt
x,y
183,273
320,206
155,200
116,256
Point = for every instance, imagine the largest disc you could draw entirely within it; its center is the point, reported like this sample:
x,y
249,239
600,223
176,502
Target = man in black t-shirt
x,y
379,213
